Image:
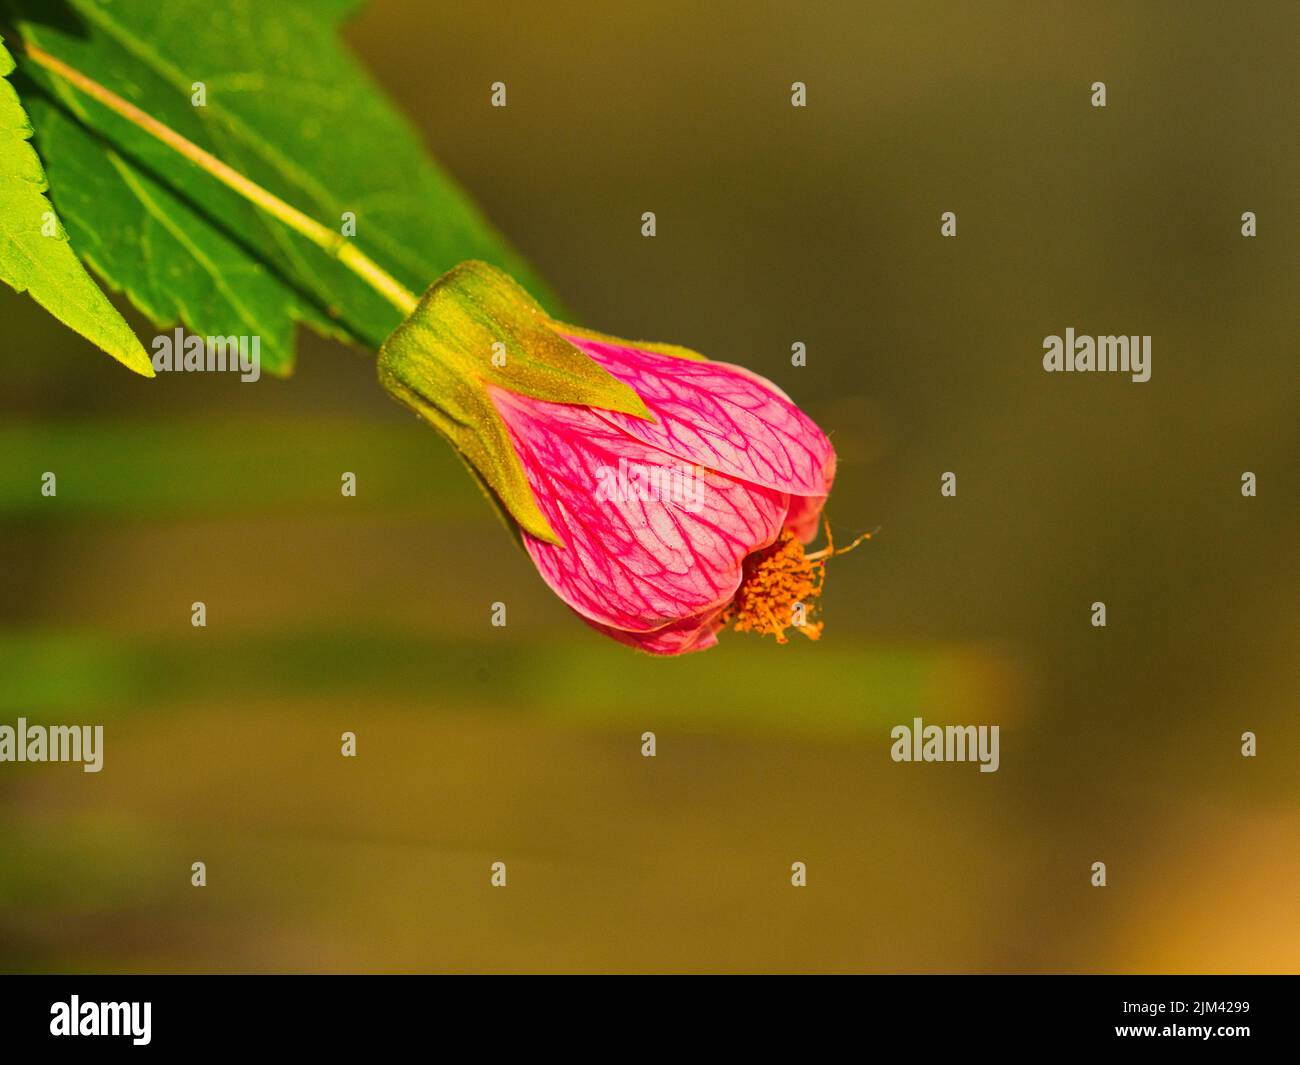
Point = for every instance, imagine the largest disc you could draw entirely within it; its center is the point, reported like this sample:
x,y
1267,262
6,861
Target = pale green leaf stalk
x,y
286,107
35,256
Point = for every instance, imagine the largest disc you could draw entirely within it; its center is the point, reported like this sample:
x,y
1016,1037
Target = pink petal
x,y
681,637
721,416
804,518
632,564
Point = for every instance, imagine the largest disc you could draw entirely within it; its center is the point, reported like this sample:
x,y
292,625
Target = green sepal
x,y
440,360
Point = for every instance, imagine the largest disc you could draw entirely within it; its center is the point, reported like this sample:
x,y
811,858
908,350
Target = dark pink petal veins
x,y
630,562
721,416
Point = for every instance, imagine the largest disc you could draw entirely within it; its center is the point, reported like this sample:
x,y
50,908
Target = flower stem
x,y
334,244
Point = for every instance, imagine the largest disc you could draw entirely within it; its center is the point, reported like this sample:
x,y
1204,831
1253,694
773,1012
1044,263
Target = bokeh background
x,y
522,744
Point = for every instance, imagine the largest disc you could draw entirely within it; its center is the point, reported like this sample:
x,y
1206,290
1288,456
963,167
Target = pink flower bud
x,y
656,530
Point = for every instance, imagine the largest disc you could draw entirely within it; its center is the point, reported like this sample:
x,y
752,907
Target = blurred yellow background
x,y
522,744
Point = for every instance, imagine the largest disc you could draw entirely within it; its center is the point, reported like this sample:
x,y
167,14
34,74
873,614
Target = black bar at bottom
x,y
369,1013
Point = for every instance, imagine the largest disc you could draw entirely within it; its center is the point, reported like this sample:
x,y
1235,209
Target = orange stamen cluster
x,y
777,594
779,587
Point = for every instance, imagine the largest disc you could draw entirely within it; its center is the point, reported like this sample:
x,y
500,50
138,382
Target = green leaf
x,y
286,106
35,256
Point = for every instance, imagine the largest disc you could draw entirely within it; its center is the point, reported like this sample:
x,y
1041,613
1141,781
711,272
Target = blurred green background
x,y
521,744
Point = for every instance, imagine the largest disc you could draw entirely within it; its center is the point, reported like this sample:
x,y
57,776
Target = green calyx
x,y
476,327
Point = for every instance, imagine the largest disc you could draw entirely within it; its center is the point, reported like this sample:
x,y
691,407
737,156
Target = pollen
x,y
780,589
778,593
